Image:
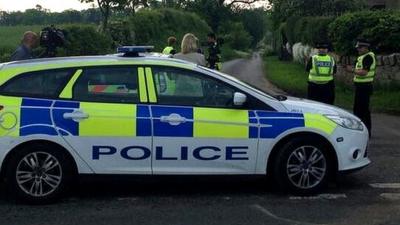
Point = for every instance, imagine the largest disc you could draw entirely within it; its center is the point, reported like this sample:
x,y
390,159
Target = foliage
x,y
121,33
211,11
81,40
41,16
283,9
85,40
382,28
153,27
255,23
106,7
308,30
236,36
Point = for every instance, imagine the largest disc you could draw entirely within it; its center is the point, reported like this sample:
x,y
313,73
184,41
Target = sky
x,y
53,5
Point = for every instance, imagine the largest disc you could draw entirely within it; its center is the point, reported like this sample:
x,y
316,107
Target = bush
x,y
121,33
85,40
153,27
236,36
307,30
382,28
289,28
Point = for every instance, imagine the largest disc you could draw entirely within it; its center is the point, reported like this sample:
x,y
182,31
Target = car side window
x,y
188,88
107,84
45,83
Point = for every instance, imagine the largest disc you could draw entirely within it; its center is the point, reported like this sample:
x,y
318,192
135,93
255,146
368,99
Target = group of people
x,y
191,51
322,68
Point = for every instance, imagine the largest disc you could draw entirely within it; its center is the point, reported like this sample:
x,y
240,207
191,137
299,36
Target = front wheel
x,y
38,173
303,166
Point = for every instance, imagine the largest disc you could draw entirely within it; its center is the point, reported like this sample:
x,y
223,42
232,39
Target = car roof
x,y
11,69
101,60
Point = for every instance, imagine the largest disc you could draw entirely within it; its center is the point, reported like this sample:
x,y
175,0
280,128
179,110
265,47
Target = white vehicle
x,y
63,117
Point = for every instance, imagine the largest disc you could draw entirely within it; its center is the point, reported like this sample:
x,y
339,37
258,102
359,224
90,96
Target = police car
x,y
63,117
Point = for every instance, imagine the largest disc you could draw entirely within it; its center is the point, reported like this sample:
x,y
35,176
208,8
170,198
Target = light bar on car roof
x,y
133,51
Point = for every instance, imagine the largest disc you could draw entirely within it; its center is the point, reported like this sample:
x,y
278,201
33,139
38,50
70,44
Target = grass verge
x,y
292,78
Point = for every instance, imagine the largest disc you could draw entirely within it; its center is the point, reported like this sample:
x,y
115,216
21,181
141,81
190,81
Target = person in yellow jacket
x,y
321,68
364,74
170,50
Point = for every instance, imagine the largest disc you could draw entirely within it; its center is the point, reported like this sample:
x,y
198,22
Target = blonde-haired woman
x,y
189,49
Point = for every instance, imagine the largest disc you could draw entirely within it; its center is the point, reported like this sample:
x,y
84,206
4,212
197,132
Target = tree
x,y
105,7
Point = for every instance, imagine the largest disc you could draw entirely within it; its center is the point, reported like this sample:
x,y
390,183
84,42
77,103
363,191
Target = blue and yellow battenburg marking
x,y
105,119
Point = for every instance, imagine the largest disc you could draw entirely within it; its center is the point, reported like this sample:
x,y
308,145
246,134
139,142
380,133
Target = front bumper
x,y
351,148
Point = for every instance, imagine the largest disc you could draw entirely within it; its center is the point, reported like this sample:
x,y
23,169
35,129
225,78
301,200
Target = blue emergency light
x,y
133,51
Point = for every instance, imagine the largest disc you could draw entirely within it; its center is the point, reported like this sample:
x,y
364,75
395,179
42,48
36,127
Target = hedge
x,y
308,30
382,28
85,40
153,27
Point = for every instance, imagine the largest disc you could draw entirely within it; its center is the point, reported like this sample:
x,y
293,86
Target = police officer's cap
x,y
321,45
362,43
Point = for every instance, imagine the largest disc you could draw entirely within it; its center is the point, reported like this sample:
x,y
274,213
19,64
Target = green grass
x,y
292,78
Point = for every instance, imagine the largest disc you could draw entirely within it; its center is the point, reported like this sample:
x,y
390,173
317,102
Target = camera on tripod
x,y
51,38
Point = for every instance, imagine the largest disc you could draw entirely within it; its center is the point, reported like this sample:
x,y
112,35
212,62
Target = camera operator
x,y
29,42
51,38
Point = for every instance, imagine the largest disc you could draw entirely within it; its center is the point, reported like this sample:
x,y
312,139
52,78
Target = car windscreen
x,y
265,93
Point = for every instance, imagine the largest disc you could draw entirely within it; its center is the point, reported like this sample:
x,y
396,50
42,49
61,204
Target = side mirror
x,y
239,98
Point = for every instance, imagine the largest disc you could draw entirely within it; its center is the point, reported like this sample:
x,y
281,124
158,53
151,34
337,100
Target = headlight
x,y
346,122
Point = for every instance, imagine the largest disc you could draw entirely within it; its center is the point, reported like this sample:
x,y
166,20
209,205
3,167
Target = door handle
x,y
173,119
76,115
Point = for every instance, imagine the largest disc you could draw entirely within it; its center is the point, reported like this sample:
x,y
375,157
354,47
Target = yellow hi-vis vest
x,y
322,69
167,50
369,77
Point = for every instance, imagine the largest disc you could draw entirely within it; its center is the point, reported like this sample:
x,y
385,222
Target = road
x,y
370,196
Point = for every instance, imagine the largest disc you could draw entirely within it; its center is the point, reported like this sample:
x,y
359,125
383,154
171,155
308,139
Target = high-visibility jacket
x,y
322,69
167,50
369,77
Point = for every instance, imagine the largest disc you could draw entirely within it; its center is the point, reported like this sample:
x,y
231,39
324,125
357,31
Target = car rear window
x,y
45,83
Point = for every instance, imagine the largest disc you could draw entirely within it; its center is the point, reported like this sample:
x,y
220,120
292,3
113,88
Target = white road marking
x,y
385,185
390,196
320,196
268,213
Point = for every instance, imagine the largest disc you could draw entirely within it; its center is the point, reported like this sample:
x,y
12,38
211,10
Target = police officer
x,y
321,68
29,41
364,73
213,58
169,50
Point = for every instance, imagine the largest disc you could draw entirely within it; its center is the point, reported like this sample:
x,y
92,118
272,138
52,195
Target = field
x,y
10,36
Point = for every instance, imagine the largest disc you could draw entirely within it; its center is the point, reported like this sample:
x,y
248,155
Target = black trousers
x,y
363,92
322,92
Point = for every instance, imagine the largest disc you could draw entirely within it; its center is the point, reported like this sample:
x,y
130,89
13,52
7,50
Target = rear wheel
x,y
39,173
303,166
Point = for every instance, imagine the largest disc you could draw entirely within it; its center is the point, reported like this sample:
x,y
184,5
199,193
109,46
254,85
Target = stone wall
x,y
388,66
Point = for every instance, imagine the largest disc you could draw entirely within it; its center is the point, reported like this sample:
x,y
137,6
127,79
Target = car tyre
x,y
302,166
39,173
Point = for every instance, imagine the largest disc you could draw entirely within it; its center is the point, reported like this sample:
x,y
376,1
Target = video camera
x,y
51,38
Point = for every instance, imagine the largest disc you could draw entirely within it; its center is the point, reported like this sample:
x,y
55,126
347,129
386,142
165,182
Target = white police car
x,y
150,115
